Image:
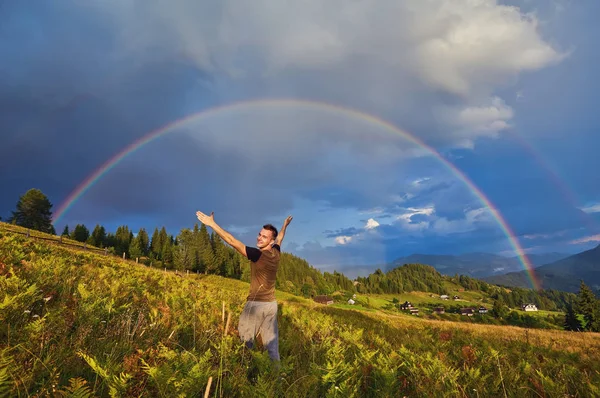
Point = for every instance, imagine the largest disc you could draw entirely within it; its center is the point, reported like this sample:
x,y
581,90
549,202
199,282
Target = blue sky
x,y
505,91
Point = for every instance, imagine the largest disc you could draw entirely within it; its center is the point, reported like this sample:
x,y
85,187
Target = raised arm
x,y
281,234
209,221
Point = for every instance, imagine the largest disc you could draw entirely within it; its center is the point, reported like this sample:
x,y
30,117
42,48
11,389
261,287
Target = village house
x,y
350,301
414,311
466,311
483,310
406,305
444,297
529,307
323,300
439,310
455,297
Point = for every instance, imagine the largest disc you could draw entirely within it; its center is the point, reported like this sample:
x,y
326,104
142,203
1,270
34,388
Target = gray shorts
x,y
259,317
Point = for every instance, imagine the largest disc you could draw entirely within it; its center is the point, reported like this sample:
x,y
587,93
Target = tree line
x,y
193,250
408,278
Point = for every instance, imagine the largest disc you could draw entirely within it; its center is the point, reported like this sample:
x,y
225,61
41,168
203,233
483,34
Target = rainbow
x,y
250,105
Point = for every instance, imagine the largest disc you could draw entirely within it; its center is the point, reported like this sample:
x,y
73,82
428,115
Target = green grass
x,y
75,322
355,307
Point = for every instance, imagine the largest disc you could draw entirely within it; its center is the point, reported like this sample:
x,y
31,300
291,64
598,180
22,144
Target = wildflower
x,y
46,299
36,316
26,312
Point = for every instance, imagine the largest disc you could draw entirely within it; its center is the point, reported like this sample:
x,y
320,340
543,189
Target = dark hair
x,y
272,229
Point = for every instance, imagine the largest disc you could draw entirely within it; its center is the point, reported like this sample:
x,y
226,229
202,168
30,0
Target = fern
x,y
6,383
117,384
77,388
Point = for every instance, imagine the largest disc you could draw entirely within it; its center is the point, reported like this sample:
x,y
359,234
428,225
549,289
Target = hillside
x,y
73,321
564,274
476,265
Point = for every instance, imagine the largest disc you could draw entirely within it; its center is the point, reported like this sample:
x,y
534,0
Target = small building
x,y
323,300
529,307
406,305
455,297
350,301
444,297
483,310
467,311
354,296
414,311
439,310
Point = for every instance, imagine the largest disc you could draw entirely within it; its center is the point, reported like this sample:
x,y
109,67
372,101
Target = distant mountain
x,y
476,265
564,274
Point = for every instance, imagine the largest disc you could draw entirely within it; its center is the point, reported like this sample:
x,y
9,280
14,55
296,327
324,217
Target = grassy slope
x,y
424,301
70,319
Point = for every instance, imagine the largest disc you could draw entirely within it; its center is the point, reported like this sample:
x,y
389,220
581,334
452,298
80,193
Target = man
x,y
260,312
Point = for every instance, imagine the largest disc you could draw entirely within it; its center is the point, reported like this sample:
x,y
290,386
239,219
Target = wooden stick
x,y
207,391
227,326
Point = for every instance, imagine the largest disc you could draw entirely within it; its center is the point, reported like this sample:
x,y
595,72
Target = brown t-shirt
x,y
263,272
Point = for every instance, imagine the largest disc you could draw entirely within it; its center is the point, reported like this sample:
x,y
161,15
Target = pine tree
x,y
155,245
183,257
122,240
34,211
571,321
135,248
167,253
499,309
222,264
589,306
144,241
98,237
159,239
196,254
205,250
65,231
80,233
111,240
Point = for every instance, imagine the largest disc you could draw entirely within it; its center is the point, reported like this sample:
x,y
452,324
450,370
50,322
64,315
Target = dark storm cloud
x,y
68,102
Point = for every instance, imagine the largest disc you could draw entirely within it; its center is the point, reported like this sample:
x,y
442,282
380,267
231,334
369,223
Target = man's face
x,y
264,238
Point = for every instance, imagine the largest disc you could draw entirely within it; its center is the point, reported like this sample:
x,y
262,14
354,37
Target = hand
x,y
207,220
287,221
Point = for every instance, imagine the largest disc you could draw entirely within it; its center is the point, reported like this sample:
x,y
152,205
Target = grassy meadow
x,y
78,324
425,302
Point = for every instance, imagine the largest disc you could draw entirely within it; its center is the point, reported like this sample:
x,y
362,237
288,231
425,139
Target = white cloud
x,y
500,269
545,236
342,240
480,43
406,222
384,49
592,208
429,221
485,120
586,239
420,181
371,224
